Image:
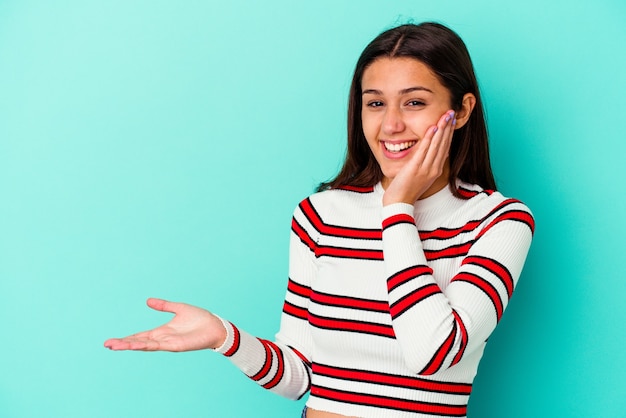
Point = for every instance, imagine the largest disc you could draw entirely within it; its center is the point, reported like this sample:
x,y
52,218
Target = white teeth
x,y
399,147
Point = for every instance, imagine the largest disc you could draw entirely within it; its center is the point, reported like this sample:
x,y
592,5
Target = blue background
x,y
158,148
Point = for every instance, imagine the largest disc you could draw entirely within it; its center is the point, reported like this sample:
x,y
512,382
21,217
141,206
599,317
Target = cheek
x,y
420,125
370,128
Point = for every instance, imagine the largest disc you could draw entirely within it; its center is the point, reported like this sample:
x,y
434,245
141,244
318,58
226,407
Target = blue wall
x,y
158,148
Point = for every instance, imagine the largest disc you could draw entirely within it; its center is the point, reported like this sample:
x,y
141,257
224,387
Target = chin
x,y
390,174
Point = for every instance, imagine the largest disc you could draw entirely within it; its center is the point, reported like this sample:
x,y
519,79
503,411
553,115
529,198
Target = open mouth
x,y
402,146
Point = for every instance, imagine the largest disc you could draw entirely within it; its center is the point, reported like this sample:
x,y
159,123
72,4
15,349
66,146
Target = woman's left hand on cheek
x,y
426,164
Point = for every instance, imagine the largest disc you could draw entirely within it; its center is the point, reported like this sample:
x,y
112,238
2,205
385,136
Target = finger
x,y
422,147
110,342
163,305
444,127
144,345
118,344
443,150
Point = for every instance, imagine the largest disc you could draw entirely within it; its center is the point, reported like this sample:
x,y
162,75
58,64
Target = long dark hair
x,y
443,51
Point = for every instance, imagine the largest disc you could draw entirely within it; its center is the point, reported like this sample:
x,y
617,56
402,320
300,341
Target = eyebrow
x,y
403,91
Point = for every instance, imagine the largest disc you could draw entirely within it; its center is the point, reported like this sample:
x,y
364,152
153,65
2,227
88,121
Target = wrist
x,y
224,335
391,199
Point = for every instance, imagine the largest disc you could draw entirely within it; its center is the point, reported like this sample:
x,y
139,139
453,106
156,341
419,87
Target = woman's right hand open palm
x,y
192,328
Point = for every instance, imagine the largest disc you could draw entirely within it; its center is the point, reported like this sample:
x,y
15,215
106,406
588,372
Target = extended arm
x,y
282,366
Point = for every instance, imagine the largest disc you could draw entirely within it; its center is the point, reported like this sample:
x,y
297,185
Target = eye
x,y
414,103
374,103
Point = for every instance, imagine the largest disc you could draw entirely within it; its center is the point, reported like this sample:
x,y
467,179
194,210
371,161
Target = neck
x,y
438,184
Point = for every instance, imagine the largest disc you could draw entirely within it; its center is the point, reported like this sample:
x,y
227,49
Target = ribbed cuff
x,y
228,342
396,209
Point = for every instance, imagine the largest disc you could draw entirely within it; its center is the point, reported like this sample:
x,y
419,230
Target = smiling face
x,y
402,99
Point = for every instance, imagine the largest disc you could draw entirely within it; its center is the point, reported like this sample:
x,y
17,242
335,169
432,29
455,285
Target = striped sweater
x,y
388,309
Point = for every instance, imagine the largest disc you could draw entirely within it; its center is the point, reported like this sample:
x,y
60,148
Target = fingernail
x,y
435,130
454,122
448,118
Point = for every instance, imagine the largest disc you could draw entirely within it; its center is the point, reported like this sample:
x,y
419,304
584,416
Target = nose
x,y
392,121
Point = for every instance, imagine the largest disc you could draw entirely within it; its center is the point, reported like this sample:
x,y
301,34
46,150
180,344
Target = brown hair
x,y
443,51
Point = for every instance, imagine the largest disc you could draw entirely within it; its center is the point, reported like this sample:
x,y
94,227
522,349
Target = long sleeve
x,y
282,366
436,326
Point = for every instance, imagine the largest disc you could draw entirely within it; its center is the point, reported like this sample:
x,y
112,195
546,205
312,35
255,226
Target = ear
x,y
463,114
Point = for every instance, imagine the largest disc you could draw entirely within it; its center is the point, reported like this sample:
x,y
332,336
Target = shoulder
x,y
494,206
354,206
347,196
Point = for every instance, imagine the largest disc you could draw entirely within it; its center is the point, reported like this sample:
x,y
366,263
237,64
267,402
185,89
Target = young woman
x,y
401,267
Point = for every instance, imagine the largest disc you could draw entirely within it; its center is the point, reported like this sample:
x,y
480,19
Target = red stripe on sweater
x,y
446,233
357,189
486,287
382,330
236,341
467,193
298,289
464,338
402,305
349,253
297,311
350,302
398,219
267,365
389,402
512,215
406,275
302,234
387,379
440,355
337,231
460,250
494,267
281,365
